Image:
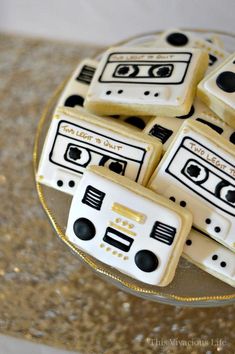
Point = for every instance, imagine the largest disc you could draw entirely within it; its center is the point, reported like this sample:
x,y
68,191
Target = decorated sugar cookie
x,y
210,256
77,139
127,226
76,88
198,172
217,90
184,39
165,128
146,81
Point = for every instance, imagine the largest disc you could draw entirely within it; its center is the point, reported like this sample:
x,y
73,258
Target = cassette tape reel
x,y
166,128
139,234
77,139
198,172
184,39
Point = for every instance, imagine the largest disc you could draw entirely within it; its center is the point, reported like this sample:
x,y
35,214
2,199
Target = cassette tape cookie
x,y
166,128
217,90
184,39
210,256
77,139
146,81
127,226
198,172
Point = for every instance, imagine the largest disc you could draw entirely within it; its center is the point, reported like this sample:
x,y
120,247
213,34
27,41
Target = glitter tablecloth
x,y
46,295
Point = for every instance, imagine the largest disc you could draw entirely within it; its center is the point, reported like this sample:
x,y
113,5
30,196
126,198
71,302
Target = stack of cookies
x,y
143,140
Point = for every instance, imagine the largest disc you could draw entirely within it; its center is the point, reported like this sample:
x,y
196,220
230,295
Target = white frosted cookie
x,y
210,256
198,172
146,81
165,128
76,88
127,226
217,90
184,39
77,139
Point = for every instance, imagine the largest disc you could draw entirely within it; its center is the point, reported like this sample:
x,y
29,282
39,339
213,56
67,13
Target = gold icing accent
x,y
117,220
85,257
120,228
128,213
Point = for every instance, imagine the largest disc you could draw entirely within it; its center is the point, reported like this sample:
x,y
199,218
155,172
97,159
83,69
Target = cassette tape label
x,y
204,172
148,68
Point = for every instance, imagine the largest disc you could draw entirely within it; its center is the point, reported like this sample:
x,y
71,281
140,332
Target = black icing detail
x,y
208,221
212,59
146,261
71,184
217,229
108,92
230,196
214,257
60,183
160,132
86,74
188,242
163,232
93,197
193,170
160,70
232,138
126,70
223,264
226,81
117,239
183,203
219,130
177,39
84,229
74,153
191,112
115,165
172,199
136,122
74,100
146,93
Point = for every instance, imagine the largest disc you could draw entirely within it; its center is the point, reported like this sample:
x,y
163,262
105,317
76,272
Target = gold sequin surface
x,y
46,294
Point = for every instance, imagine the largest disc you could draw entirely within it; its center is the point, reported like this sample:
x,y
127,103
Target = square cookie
x,y
198,172
210,256
127,226
165,128
146,81
77,139
217,90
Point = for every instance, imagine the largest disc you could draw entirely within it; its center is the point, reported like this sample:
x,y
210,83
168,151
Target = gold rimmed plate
x,y
191,286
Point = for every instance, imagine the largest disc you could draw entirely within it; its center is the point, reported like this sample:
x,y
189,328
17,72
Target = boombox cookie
x,y
127,226
210,256
165,128
198,172
77,139
217,90
76,88
183,39
146,81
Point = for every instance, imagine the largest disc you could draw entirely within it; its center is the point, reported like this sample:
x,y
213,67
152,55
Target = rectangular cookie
x,y
146,81
76,88
176,38
217,90
77,139
127,226
198,172
166,128
210,256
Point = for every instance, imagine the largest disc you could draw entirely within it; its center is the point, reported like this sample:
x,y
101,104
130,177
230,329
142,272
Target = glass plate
x,y
191,286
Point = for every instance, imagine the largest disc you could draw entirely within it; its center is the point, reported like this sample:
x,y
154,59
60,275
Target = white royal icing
x,y
116,225
211,256
199,174
74,142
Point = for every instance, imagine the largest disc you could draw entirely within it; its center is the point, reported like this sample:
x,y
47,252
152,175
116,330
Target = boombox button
x,y
146,261
84,229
